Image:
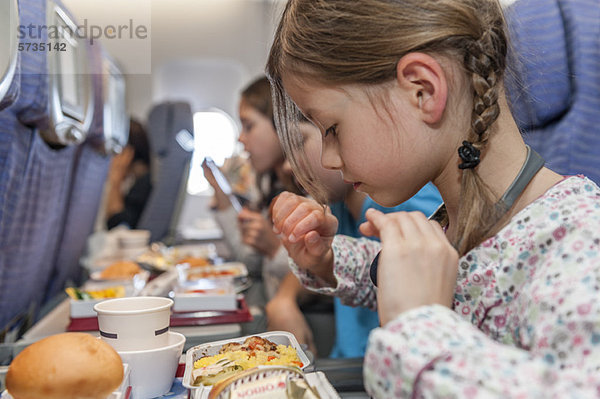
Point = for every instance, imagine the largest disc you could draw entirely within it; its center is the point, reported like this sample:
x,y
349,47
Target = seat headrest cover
x,y
165,121
32,105
538,80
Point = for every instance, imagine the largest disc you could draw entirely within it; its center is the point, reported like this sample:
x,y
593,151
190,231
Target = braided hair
x,y
477,217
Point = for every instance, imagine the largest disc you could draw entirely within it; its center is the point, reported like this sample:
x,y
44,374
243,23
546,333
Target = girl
x,y
249,235
129,168
499,301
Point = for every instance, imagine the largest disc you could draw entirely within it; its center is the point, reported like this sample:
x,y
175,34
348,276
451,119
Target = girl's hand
x,y
258,232
220,200
284,314
417,264
306,231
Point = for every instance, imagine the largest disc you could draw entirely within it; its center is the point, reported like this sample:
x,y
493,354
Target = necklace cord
x,y
533,163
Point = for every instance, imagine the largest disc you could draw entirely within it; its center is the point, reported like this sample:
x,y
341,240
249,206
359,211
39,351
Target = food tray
x,y
85,307
212,348
164,258
229,270
102,262
142,275
179,319
208,251
205,295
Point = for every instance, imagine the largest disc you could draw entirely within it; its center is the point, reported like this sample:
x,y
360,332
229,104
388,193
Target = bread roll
x,y
65,366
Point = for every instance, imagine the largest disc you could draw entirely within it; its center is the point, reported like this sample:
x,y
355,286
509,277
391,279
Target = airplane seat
x,y
10,68
31,106
16,142
36,172
90,171
111,103
107,136
170,131
554,87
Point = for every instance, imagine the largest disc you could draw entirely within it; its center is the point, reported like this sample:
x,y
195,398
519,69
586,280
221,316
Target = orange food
x,y
200,291
196,275
121,270
194,261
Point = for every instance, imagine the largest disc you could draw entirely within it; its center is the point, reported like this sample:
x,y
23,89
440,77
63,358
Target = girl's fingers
x,y
436,229
250,237
306,224
368,229
281,207
252,226
303,211
415,224
408,225
247,217
313,243
384,224
246,213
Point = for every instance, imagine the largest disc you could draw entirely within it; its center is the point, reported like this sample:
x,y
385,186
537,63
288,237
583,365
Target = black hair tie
x,y
469,155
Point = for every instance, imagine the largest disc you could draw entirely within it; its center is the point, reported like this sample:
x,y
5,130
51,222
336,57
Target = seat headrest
x,y
165,121
32,105
538,80
96,131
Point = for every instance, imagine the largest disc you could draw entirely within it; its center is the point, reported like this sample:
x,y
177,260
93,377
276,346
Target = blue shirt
x,y
353,324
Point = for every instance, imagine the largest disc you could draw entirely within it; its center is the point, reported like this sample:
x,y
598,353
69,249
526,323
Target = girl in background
x,y
500,300
129,180
249,234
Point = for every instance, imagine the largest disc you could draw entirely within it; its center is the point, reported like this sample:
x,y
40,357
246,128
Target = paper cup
x,y
133,239
135,323
153,371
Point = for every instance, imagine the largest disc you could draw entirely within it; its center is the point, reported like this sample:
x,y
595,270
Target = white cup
x,y
133,239
153,371
134,323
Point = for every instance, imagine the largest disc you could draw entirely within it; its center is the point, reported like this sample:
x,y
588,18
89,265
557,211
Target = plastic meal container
x,y
212,348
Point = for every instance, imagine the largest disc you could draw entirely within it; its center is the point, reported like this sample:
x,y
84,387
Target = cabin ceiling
x,y
234,30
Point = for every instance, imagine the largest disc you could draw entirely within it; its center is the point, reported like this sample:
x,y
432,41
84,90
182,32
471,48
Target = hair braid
x,y
484,60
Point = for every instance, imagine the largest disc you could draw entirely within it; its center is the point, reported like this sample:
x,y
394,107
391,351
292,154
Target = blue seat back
x,y
555,88
35,180
89,173
31,107
171,163
34,187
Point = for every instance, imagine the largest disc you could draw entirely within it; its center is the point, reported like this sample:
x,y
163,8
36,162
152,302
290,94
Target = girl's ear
x,y
424,80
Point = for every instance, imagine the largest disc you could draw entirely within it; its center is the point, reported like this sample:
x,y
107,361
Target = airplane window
x,y
215,135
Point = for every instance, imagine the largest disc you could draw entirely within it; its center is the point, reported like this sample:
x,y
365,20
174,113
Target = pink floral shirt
x,y
526,317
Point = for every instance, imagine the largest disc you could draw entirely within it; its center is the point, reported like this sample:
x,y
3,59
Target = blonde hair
x,y
338,42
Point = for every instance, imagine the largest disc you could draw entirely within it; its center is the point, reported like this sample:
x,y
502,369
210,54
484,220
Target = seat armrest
x,y
345,375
